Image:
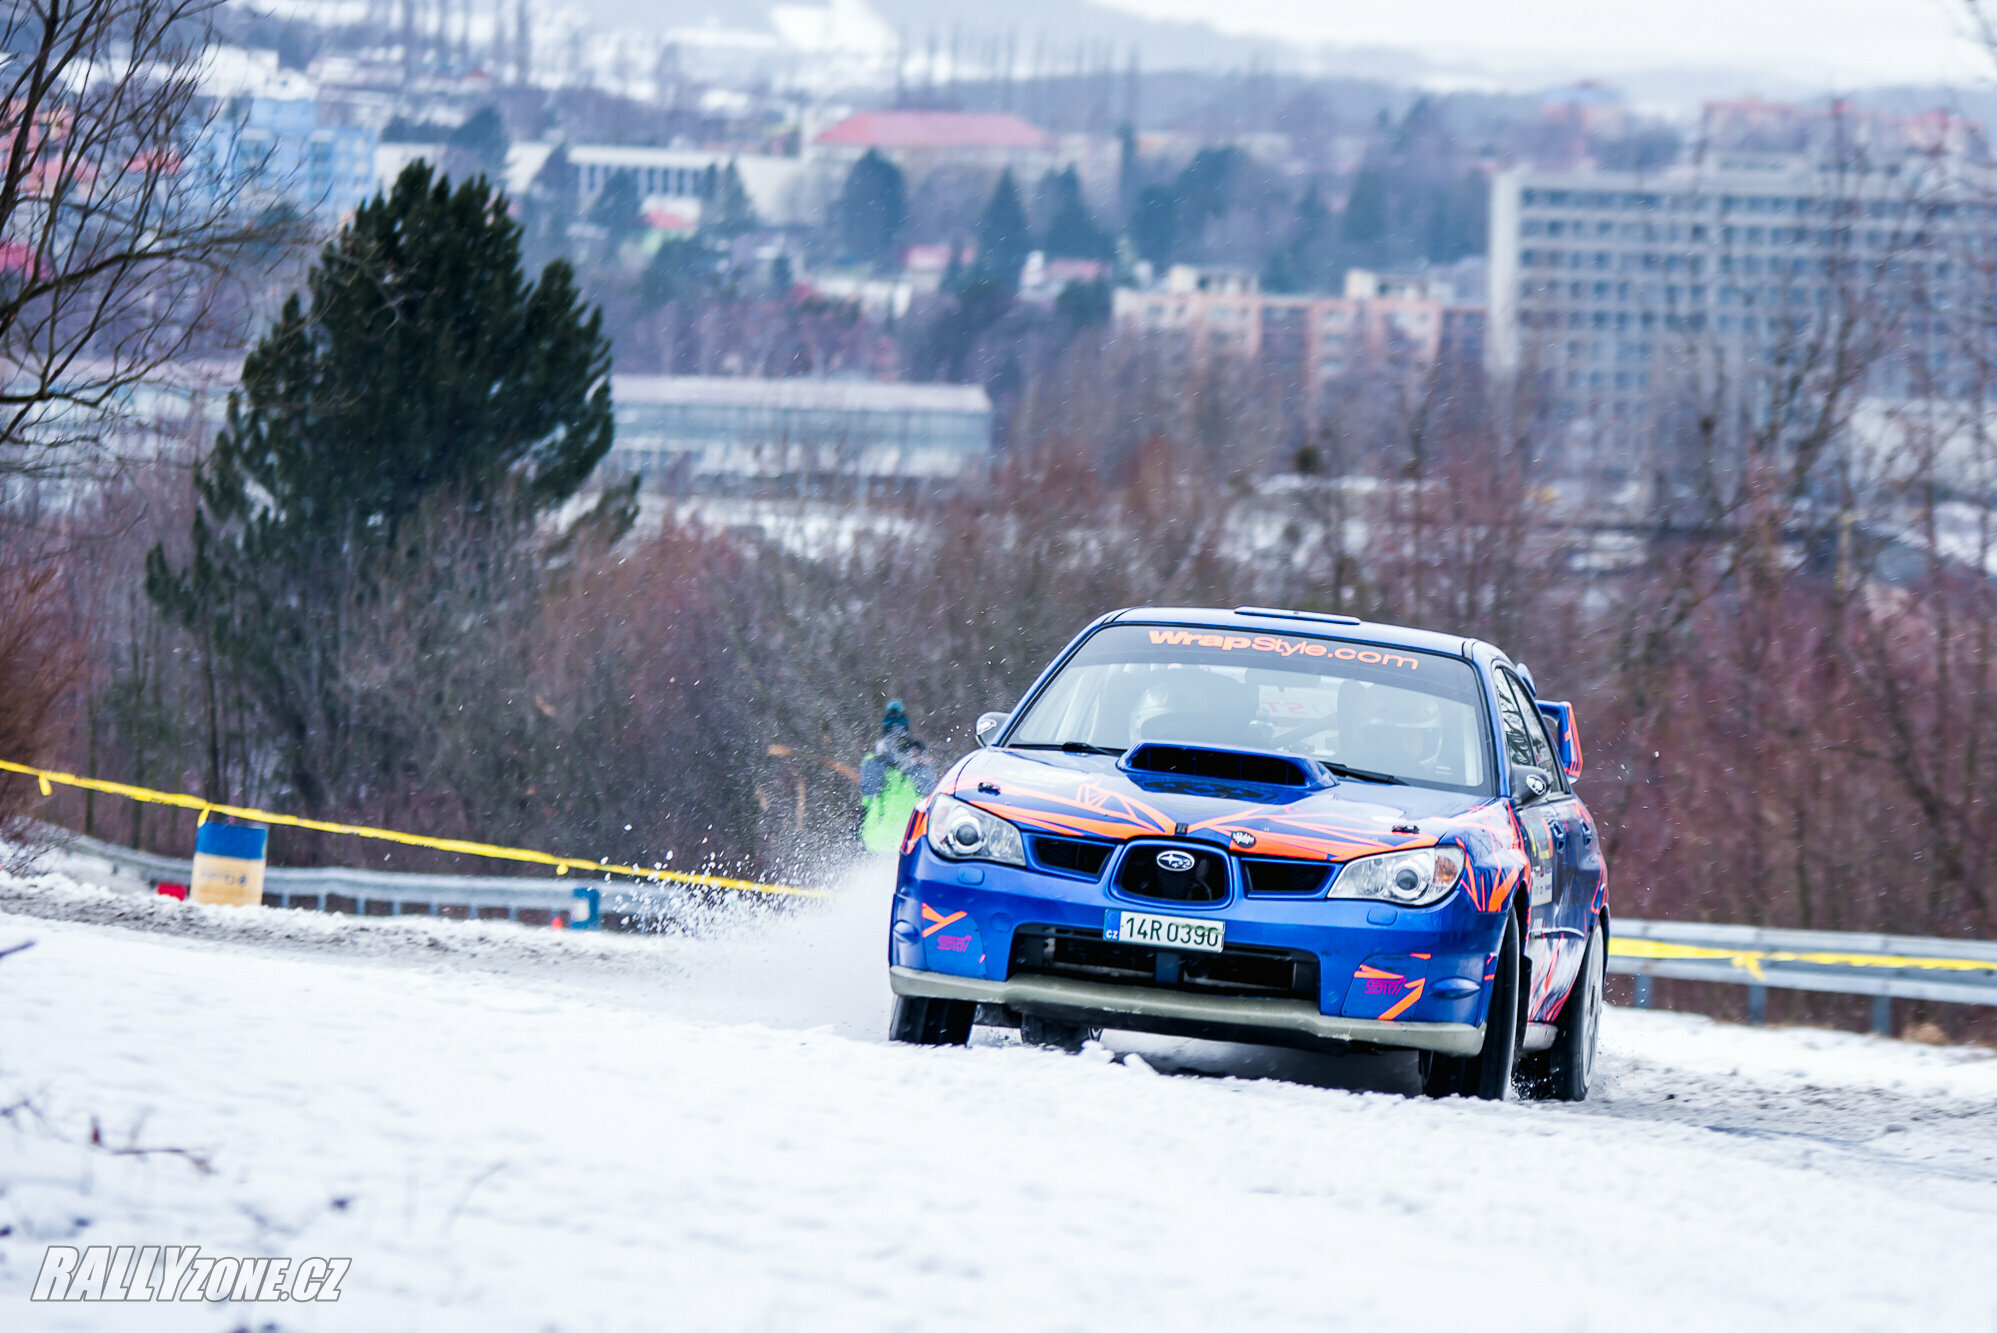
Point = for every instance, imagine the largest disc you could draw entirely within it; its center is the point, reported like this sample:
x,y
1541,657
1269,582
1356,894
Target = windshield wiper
x,y
1066,747
1363,774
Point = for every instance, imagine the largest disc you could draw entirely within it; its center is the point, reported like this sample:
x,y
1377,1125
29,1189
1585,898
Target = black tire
x,y
1037,1031
925,1022
1570,1061
1487,1074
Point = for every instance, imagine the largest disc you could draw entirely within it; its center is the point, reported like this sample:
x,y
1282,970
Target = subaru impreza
x,y
1272,826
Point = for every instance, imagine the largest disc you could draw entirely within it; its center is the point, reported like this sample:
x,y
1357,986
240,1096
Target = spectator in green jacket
x,y
893,777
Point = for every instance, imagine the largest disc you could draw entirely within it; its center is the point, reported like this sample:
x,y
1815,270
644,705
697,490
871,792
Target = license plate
x,y
1167,932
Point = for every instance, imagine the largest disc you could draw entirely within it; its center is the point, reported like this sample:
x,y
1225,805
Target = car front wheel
x,y
1570,1062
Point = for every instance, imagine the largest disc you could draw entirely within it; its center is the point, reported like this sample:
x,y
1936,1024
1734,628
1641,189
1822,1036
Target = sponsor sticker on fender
x,y
1281,647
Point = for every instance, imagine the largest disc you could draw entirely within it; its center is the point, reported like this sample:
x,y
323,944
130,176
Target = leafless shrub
x,y
40,661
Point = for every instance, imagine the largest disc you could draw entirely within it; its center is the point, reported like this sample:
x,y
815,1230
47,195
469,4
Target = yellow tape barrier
x,y
562,864
1750,960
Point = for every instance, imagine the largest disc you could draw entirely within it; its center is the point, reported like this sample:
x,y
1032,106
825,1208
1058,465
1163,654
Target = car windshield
x,y
1394,713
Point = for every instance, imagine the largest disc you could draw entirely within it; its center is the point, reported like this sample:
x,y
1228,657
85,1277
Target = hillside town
x,y
836,198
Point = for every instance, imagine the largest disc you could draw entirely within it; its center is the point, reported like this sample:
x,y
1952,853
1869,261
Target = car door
x,y
1582,868
1547,823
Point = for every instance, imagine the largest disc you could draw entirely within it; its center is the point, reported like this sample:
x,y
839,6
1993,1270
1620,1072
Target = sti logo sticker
x,y
1271,643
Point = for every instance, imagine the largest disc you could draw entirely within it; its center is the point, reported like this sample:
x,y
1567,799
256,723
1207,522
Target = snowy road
x,y
518,1130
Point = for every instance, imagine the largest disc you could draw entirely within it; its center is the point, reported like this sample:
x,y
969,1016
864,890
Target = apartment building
x,y
921,141
676,180
280,147
681,178
1310,341
1605,284
683,430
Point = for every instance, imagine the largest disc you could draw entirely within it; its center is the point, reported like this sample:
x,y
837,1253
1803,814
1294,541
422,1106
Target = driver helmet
x,y
1393,731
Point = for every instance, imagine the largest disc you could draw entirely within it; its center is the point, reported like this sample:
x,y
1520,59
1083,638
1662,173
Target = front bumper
x,y
1386,977
1176,1013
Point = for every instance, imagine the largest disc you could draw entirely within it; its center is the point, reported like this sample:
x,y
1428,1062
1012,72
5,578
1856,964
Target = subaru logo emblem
x,y
1175,861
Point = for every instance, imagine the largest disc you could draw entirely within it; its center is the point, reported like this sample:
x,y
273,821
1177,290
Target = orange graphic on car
x,y
937,920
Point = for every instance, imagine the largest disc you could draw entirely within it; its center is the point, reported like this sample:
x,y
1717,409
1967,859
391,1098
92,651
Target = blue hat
x,y
895,716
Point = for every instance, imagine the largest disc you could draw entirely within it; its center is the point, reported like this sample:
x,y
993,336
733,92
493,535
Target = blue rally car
x,y
1267,826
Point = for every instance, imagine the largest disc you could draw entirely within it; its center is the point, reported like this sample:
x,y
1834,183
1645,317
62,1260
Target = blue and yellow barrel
x,y
228,864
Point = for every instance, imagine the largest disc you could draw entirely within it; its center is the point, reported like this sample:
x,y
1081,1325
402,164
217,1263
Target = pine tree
x,y
1004,236
1082,304
1205,189
1459,219
872,208
1365,219
1280,274
427,383
549,207
1128,169
1300,263
679,268
729,211
1071,232
1169,219
1154,225
617,207
478,147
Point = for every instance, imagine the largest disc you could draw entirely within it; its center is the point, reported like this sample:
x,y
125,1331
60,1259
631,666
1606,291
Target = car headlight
x,y
1409,879
963,832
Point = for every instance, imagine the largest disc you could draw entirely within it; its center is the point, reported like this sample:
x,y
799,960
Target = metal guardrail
x,y
363,892
1885,967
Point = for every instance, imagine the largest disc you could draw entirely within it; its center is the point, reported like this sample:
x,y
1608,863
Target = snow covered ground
x,y
515,1129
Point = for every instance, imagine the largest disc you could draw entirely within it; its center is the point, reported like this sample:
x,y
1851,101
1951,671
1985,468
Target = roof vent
x,y
1269,770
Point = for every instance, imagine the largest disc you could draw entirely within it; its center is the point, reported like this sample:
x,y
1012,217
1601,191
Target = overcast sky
x,y
1840,43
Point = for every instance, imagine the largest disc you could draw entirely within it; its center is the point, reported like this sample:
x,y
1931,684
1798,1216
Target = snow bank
x,y
711,1134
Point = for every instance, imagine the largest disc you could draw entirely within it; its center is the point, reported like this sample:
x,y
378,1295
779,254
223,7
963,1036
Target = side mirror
x,y
1566,735
990,725
1529,784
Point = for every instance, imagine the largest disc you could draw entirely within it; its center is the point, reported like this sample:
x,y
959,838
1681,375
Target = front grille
x,y
1294,878
1248,970
1205,881
1073,856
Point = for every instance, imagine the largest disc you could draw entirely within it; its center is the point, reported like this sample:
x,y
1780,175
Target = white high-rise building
x,y
1604,284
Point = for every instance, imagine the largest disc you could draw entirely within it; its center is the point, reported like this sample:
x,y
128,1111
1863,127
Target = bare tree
x,y
124,212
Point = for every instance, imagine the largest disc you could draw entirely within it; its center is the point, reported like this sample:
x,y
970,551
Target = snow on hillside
x,y
515,1129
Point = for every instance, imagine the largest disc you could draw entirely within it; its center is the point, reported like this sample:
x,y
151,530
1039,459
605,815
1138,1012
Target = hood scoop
x,y
1218,765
